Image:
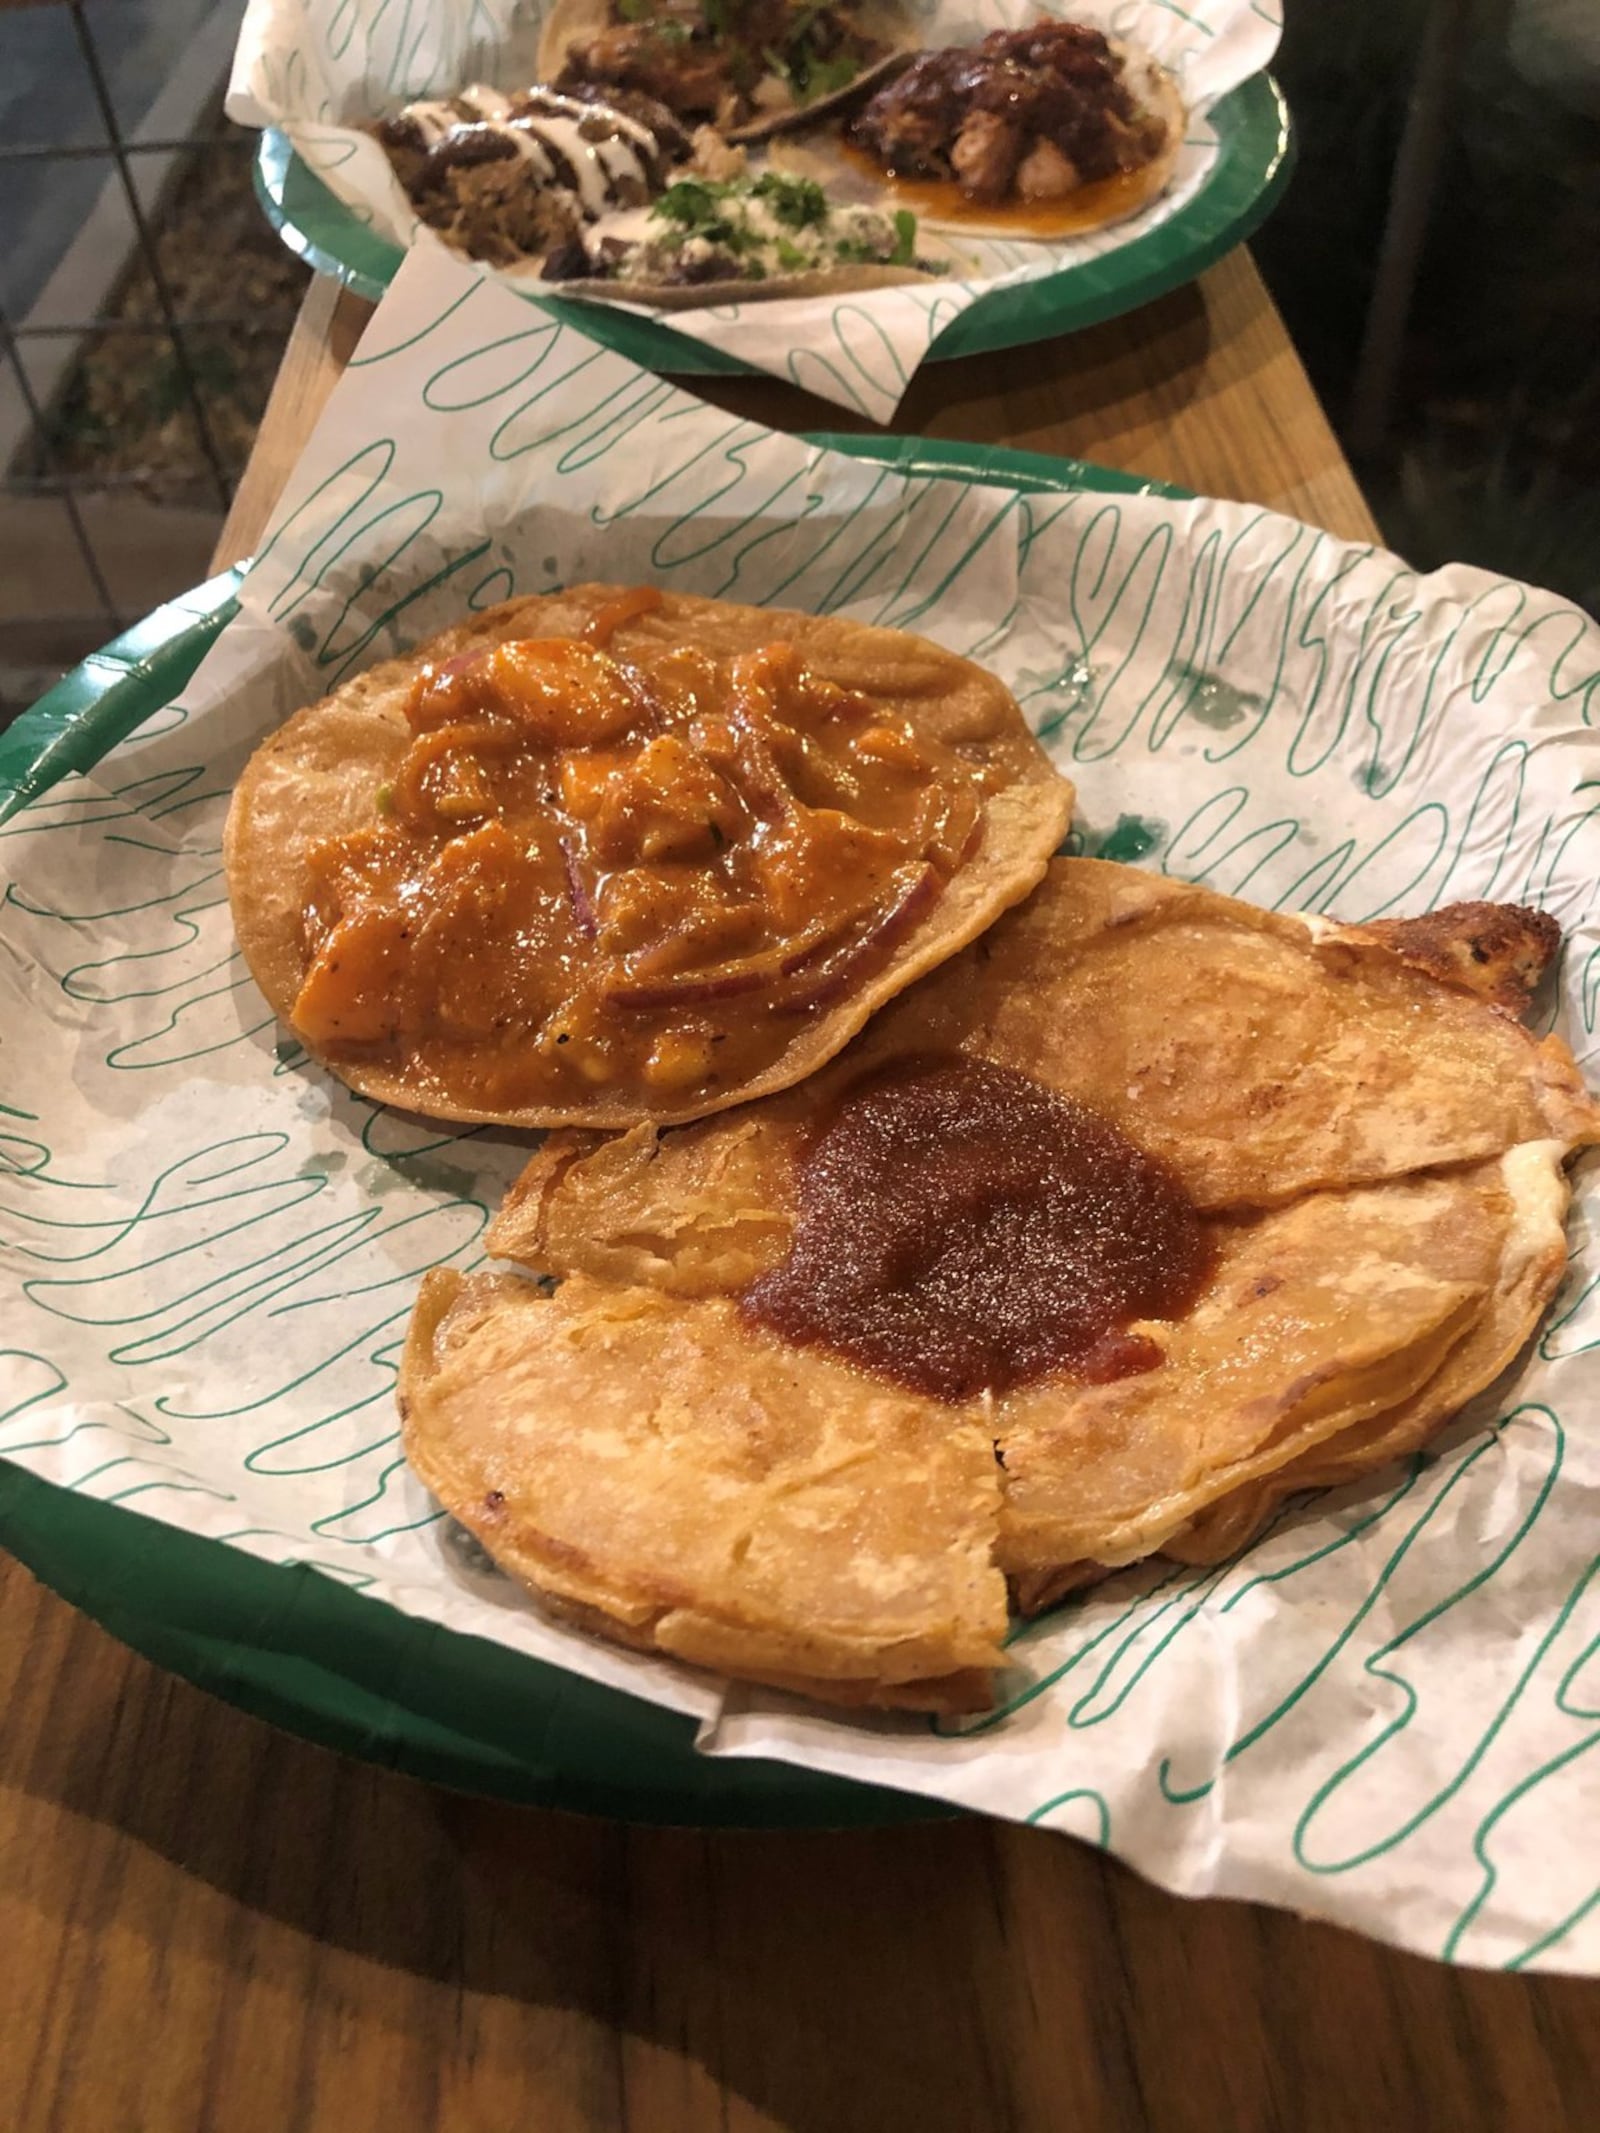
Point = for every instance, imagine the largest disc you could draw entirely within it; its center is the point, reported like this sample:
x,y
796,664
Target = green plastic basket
x,y
296,1647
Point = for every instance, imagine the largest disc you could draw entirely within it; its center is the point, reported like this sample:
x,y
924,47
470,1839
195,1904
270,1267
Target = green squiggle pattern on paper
x,y
211,1248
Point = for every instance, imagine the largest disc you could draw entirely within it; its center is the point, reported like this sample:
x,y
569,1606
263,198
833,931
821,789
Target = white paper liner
x,y
1383,1715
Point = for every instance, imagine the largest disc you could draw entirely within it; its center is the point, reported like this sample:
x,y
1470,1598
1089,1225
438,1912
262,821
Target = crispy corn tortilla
x,y
674,296
1497,952
789,1524
1258,1059
1533,1260
634,1439
319,776
1319,1316
690,1213
886,21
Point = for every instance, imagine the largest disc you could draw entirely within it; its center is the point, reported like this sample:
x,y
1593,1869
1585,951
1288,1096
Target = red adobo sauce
x,y
963,1229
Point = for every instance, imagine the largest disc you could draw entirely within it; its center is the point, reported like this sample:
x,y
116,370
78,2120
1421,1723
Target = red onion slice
x,y
869,953
583,911
697,989
689,991
726,980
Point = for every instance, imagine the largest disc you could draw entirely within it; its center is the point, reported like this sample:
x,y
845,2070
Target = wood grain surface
x,y
209,1927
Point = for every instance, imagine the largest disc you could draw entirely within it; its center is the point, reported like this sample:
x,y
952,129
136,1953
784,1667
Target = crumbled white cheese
x,y
760,245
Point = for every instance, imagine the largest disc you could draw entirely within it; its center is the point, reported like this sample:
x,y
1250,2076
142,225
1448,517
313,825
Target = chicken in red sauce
x,y
1030,114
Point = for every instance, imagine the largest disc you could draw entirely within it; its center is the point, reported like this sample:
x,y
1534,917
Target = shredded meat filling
x,y
744,60
498,176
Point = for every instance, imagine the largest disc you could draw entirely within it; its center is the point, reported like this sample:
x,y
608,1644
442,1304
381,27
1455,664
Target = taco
x,y
749,67
615,854
772,236
1045,131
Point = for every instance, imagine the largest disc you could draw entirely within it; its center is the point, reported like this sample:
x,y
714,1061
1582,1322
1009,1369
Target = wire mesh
x,y
97,524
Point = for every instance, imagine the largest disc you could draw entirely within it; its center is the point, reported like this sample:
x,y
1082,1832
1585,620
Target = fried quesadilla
x,y
613,854
788,1524
1169,1205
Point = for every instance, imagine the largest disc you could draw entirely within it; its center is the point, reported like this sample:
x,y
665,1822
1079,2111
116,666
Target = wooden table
x,y
206,1924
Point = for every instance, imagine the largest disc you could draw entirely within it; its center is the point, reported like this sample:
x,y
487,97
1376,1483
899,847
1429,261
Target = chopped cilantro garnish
x,y
823,77
798,203
385,799
798,62
696,205
692,202
719,213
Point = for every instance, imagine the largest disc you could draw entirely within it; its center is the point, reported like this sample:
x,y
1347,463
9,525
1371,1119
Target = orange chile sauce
x,y
963,1230
622,877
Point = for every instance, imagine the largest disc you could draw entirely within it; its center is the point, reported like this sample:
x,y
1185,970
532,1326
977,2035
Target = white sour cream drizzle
x,y
549,138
